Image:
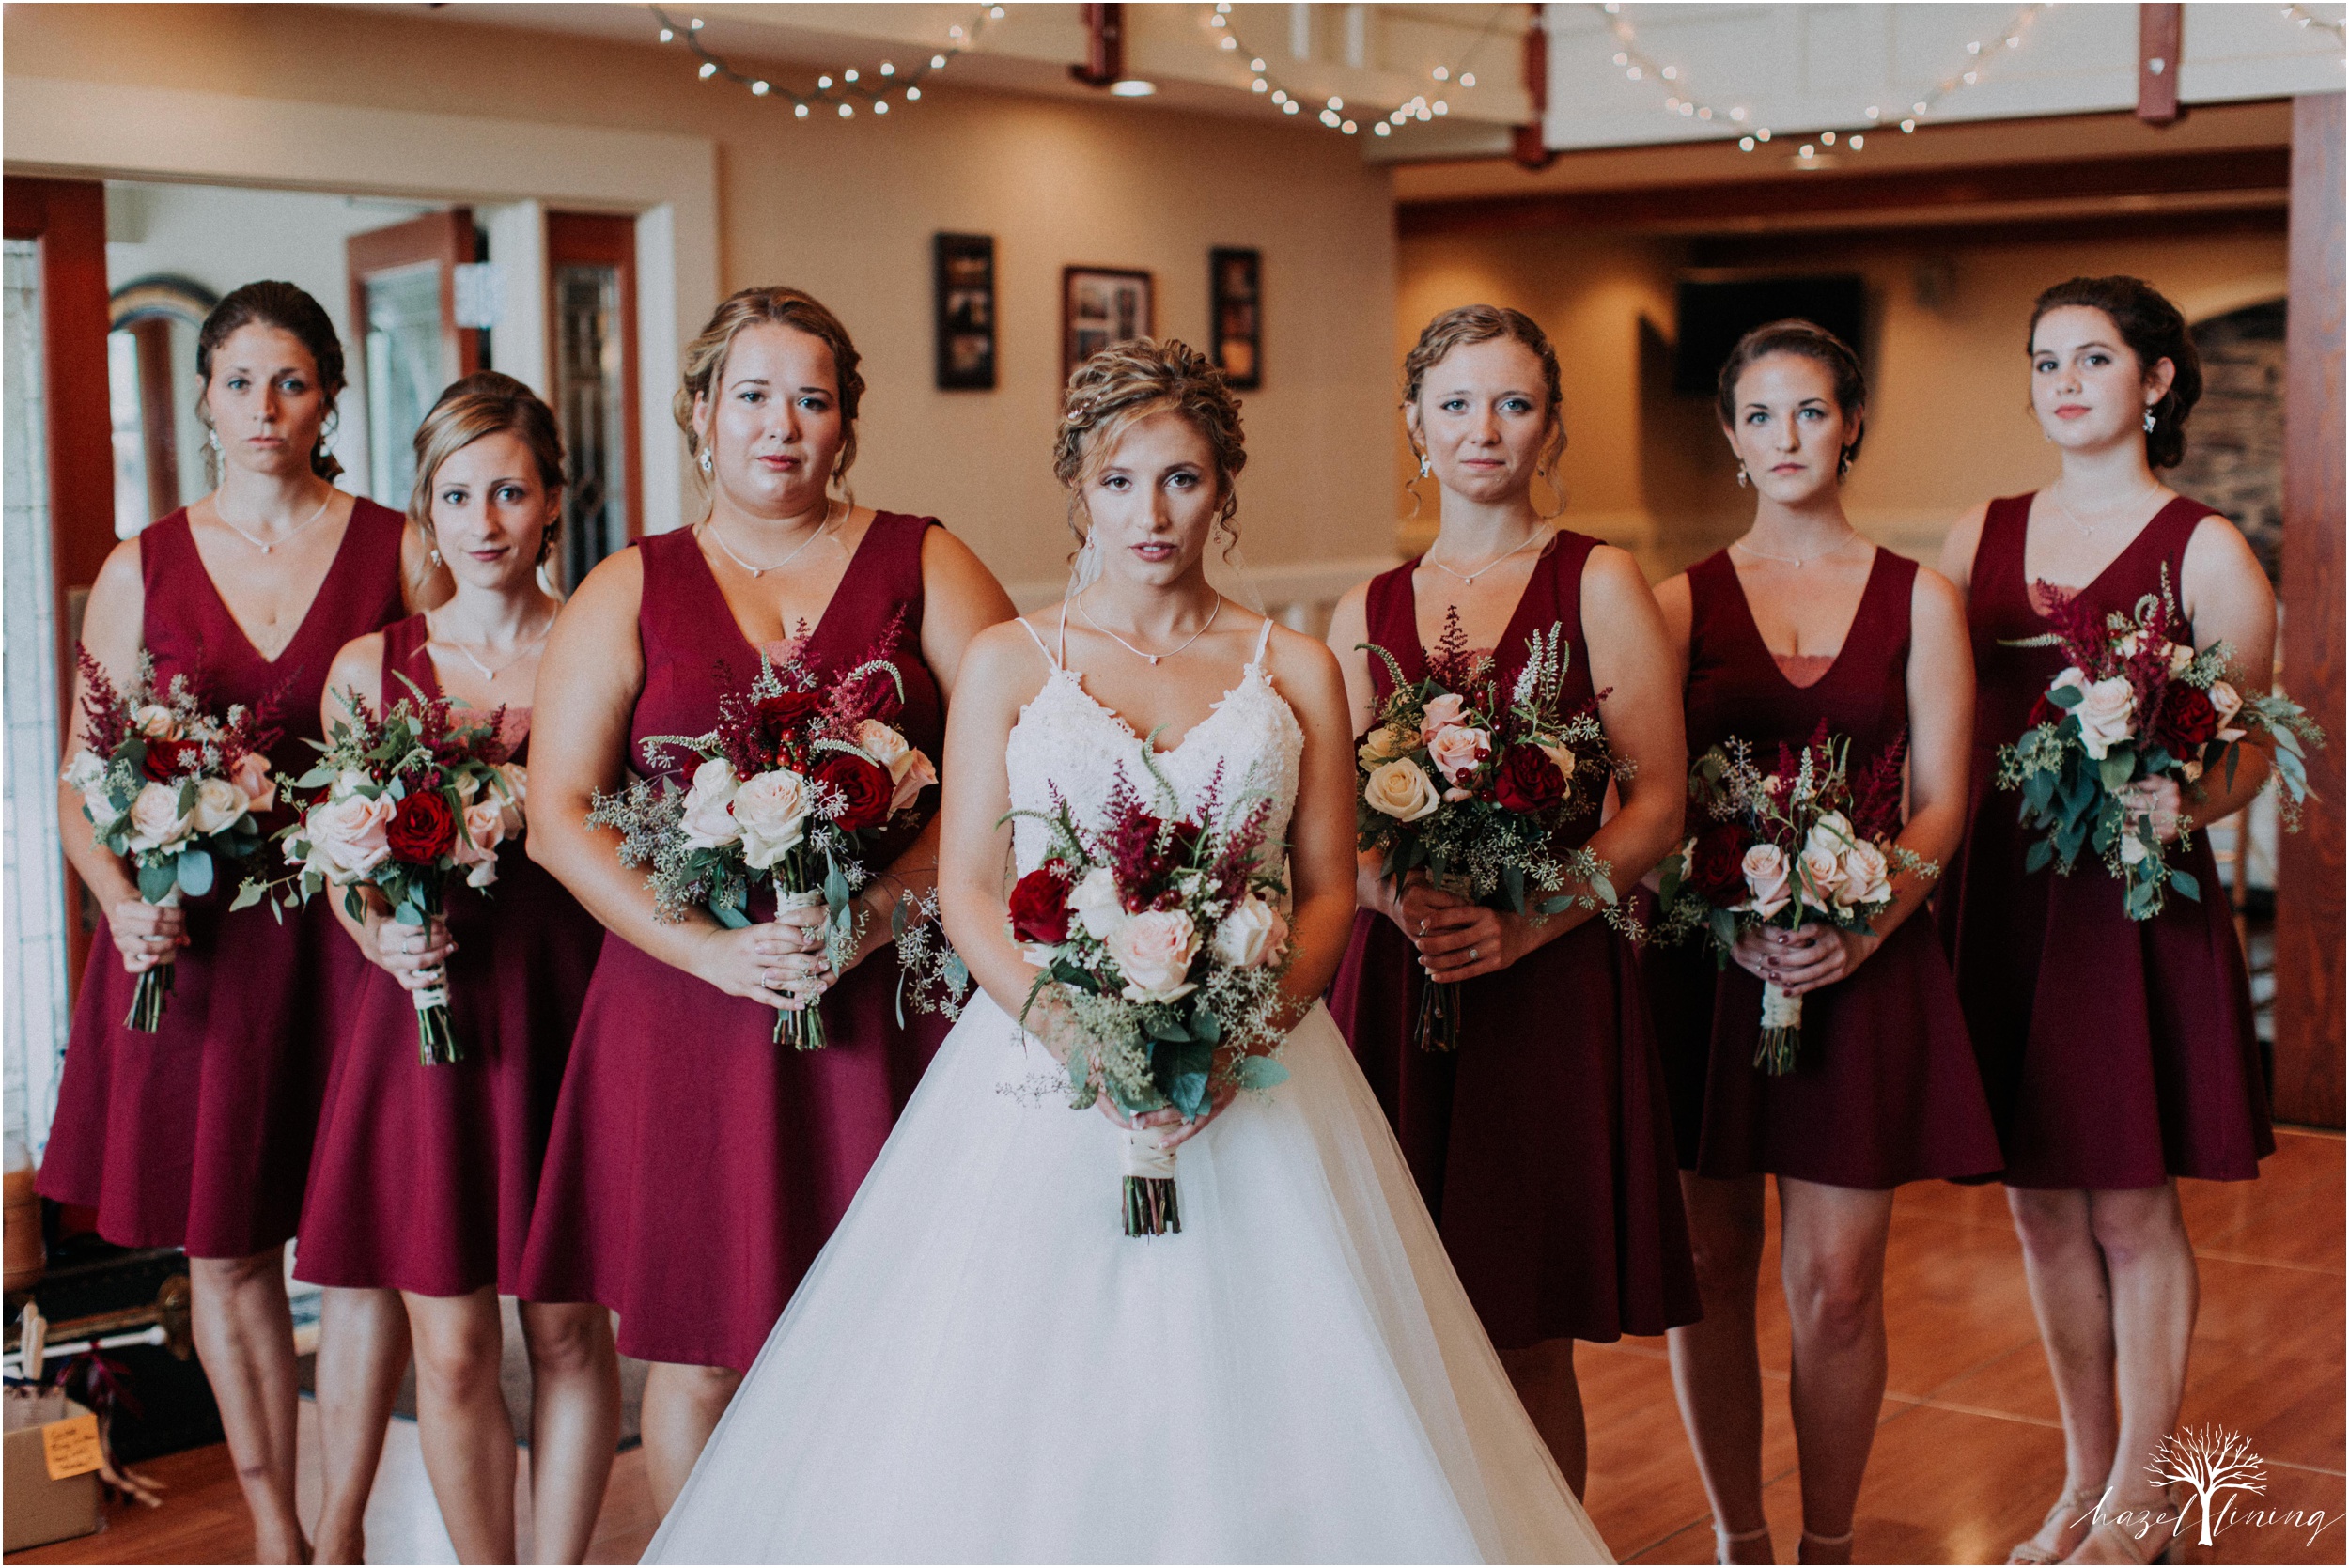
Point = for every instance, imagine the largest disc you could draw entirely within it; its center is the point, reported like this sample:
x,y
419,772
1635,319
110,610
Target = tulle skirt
x,y
982,1367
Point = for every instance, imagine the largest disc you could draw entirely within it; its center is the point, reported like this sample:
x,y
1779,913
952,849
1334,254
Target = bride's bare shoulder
x,y
1007,661
1306,672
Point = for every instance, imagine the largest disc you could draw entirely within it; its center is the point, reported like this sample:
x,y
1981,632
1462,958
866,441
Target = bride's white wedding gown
x,y
983,1367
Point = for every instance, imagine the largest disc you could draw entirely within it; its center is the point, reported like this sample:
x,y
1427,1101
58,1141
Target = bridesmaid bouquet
x,y
402,802
2132,704
797,779
1472,790
1164,939
172,789
1801,843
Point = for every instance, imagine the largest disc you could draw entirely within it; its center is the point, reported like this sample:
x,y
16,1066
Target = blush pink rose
x,y
1441,714
1458,751
1153,951
251,774
1765,874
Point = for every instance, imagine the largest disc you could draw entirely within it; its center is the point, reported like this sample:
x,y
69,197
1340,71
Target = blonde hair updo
x,y
1125,384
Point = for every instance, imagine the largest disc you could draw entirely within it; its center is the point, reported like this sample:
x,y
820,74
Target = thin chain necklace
x,y
821,529
1799,562
1140,653
522,651
1470,577
265,546
2110,512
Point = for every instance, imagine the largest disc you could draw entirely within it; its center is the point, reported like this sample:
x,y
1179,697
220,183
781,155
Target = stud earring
x,y
1425,468
2149,421
435,557
705,462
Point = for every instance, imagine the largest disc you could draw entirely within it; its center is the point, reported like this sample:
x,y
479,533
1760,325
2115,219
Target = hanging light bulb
x,y
759,89
913,95
709,68
1468,78
1381,129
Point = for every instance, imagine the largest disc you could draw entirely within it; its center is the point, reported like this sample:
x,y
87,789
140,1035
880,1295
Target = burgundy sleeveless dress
x,y
1543,1147
2116,1053
199,1135
423,1176
1886,1090
696,1167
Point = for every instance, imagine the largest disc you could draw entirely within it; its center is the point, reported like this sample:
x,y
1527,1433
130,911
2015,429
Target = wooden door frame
x,y
447,238
608,239
68,218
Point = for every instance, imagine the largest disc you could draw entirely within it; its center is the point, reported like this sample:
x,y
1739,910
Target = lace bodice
x,y
1067,741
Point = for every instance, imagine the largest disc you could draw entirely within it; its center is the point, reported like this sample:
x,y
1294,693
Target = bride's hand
x,y
1170,1117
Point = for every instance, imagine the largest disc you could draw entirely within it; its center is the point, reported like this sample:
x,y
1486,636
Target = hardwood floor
x,y
1967,1456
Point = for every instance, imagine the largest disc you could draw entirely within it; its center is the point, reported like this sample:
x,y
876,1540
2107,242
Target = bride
x,y
982,1366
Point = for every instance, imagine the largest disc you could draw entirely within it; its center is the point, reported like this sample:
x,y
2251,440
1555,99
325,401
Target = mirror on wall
x,y
151,386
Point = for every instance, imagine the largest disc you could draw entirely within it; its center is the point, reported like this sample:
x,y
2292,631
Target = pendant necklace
x,y
2112,512
1799,562
488,674
1138,653
265,546
821,529
1470,577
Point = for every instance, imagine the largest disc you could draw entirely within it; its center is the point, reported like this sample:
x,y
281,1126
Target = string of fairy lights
x,y
844,89
2304,16
1419,108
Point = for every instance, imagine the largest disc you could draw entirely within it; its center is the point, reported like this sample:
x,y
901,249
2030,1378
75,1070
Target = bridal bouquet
x,y
172,789
1163,938
1472,790
800,776
1801,843
2132,704
402,802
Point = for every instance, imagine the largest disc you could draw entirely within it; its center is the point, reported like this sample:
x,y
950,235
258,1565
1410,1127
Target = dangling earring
x,y
435,555
1843,466
212,438
1425,467
706,462
2149,421
1742,480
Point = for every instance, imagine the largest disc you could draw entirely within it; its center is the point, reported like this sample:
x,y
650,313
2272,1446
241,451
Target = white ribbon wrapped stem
x,y
1779,1009
1147,1156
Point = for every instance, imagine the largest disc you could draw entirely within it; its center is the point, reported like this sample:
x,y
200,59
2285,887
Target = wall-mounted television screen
x,y
1714,315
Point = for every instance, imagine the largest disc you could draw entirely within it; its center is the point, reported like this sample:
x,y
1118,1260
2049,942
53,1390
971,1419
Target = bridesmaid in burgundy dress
x,y
199,1135
1544,1146
1886,1090
696,1167
2119,1055
422,1183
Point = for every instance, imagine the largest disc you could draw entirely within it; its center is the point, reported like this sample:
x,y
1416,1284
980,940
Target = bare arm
x,y
1002,669
2227,599
1349,629
1957,551
1322,863
1634,664
588,682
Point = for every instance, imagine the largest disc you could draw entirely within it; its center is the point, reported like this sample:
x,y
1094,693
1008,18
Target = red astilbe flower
x,y
105,720
1875,812
1141,848
1229,872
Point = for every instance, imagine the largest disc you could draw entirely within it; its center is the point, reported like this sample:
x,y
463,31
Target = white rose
x,y
2229,701
1095,903
2181,659
511,804
85,773
709,819
253,776
1459,751
1764,866
1153,951
218,805
1253,933
350,837
2103,710
156,723
156,819
1401,789
2132,848
1866,877
772,810
350,784
1383,744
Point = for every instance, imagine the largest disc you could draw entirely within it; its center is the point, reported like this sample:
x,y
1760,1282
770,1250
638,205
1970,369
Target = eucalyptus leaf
x,y
156,880
1259,1072
194,873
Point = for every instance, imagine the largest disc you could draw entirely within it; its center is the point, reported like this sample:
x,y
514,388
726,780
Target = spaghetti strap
x,y
1264,641
1039,639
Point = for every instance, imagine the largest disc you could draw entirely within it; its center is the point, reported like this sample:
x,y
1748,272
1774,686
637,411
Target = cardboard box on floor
x,y
47,1434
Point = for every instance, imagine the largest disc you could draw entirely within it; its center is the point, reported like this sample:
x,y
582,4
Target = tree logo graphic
x,y
2212,1461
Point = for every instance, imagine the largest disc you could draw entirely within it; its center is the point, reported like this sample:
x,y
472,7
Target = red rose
x,y
423,829
1717,864
785,714
167,759
1039,906
2044,711
864,787
1528,781
2188,720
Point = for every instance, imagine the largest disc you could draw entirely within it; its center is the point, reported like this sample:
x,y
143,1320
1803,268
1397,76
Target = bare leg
x,y
2069,1294
362,1348
574,1422
1832,1264
1544,1375
467,1436
2154,1292
1716,1369
244,1333
682,1404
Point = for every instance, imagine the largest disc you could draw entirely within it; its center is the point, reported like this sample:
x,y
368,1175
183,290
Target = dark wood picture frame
x,y
1235,314
1101,306
964,286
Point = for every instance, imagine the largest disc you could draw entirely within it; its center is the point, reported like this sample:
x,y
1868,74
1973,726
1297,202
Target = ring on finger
x,y
1471,956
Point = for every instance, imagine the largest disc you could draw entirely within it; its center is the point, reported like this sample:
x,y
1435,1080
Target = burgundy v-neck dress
x,y
2117,1053
423,1176
199,1135
1885,1090
1543,1147
696,1167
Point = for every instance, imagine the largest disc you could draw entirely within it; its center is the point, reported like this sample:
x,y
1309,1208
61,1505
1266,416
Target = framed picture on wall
x,y
1101,306
1235,279
965,282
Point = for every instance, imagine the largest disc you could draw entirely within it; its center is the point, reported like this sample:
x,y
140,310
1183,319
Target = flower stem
x,y
1440,1010
149,997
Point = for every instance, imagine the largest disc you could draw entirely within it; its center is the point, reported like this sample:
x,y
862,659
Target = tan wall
x,y
847,209
1948,425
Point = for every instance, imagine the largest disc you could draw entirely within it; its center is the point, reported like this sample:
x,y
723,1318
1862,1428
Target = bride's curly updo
x,y
1124,384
